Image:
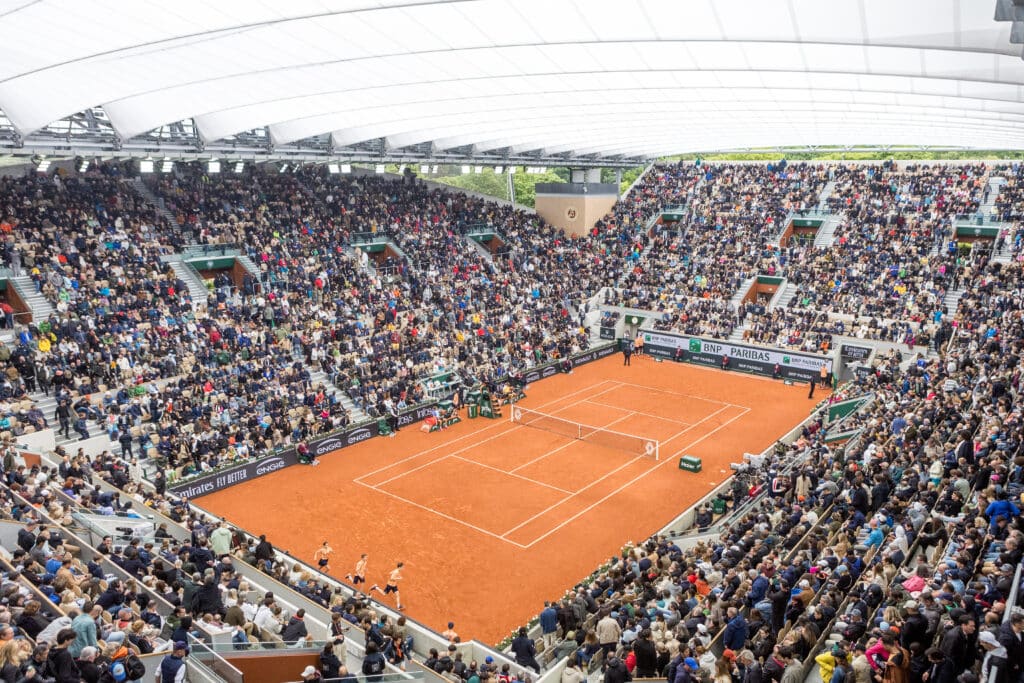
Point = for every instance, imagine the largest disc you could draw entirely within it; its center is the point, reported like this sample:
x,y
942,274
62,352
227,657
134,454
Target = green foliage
x,y
628,177
488,183
494,185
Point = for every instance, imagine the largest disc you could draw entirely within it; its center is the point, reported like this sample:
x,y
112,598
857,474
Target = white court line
x,y
572,495
626,464
689,395
511,474
441,514
636,479
638,412
552,452
454,455
466,448
499,423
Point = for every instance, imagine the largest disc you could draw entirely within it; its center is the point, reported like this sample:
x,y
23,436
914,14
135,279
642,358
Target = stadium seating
x,y
822,550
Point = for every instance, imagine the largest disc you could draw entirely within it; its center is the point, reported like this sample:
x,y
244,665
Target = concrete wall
x,y
574,213
42,441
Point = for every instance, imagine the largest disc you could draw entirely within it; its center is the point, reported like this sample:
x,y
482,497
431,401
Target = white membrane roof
x,y
636,78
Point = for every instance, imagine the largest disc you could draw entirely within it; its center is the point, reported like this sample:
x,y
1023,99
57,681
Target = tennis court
x,y
513,511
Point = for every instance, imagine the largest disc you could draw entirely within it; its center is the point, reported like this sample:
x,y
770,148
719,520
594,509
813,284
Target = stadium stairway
x,y
475,246
48,405
249,265
953,299
741,292
995,183
737,332
827,234
592,322
643,257
196,287
826,192
1004,254
36,302
158,203
355,413
783,299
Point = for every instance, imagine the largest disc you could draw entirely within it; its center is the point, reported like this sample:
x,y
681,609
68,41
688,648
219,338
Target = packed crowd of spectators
x,y
132,595
788,329
885,276
880,560
1006,204
894,549
731,216
891,257
379,338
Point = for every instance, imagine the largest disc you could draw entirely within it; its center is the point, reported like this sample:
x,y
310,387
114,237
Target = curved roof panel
x,y
641,78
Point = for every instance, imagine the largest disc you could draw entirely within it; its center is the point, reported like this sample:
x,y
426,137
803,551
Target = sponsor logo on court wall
x,y
755,359
361,434
271,465
211,483
205,485
331,443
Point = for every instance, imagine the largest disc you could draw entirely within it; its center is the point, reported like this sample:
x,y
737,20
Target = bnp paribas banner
x,y
760,360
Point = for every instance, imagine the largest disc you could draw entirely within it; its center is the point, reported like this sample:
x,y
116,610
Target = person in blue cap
x,y
687,673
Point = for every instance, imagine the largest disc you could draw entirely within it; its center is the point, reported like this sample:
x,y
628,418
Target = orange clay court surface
x,y
491,518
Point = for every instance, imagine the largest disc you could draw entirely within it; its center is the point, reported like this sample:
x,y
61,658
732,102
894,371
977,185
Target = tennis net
x,y
631,443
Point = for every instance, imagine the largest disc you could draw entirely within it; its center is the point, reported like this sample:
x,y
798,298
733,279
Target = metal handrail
x,y
200,648
368,237
207,249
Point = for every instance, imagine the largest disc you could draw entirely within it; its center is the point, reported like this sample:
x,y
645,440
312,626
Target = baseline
x,y
617,469
637,478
